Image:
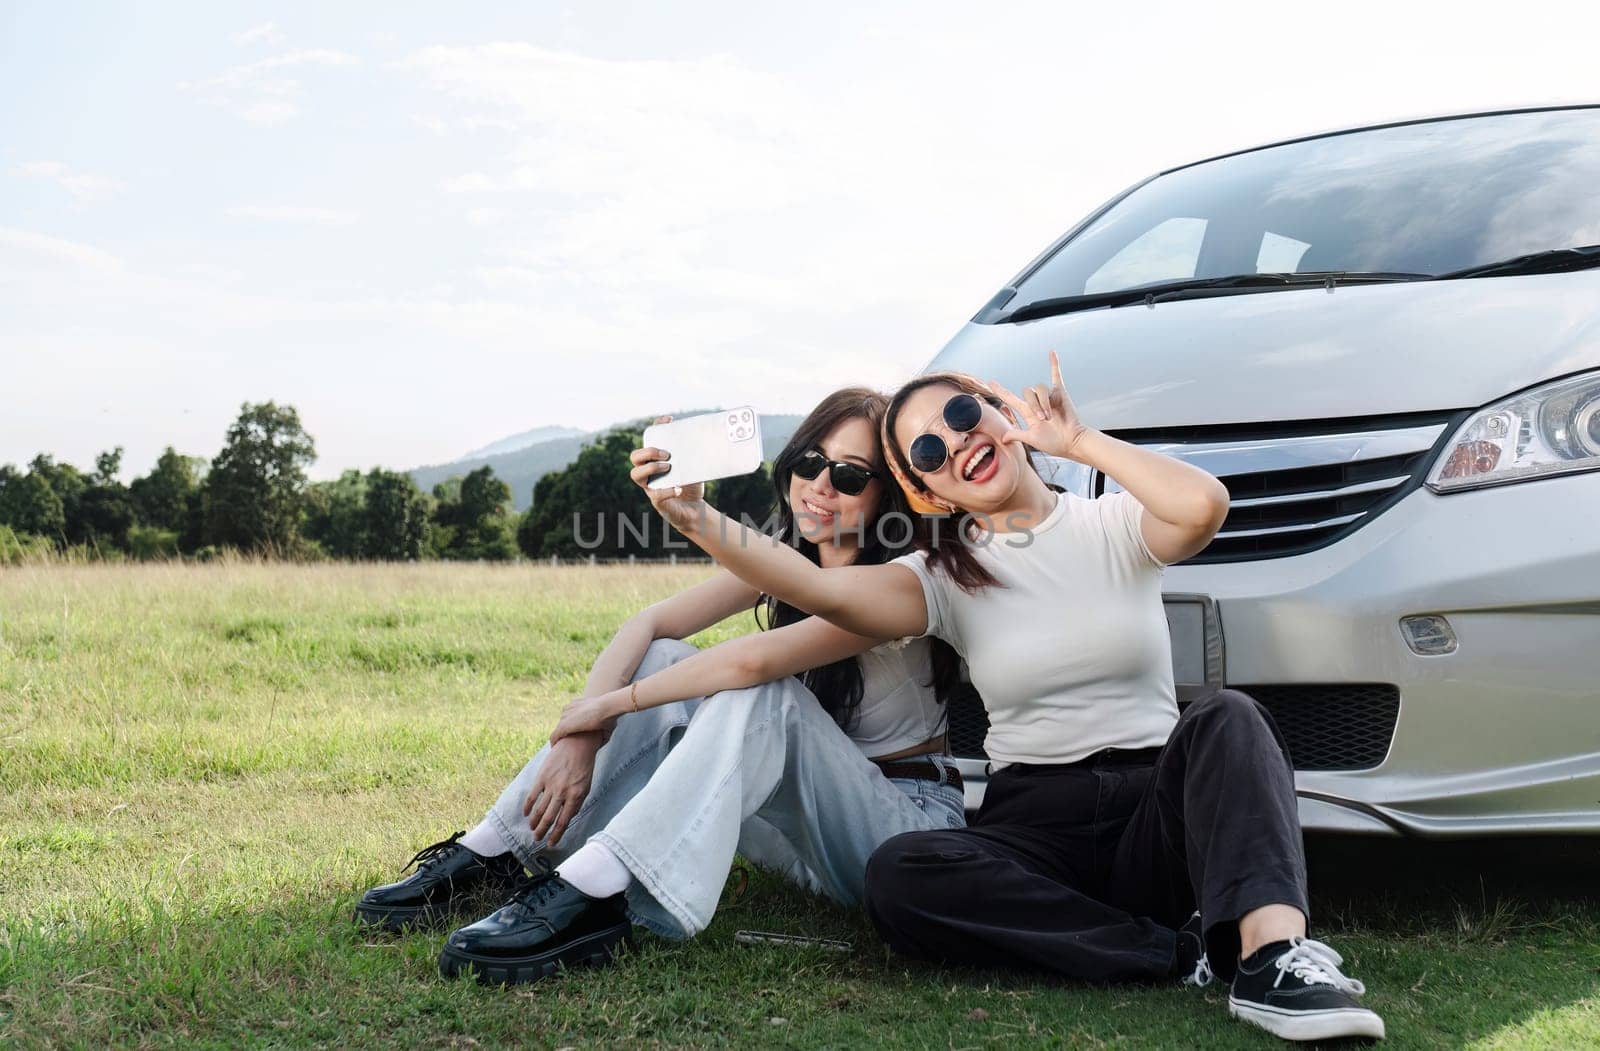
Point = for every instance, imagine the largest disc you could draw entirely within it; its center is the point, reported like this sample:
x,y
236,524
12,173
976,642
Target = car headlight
x,y
1553,429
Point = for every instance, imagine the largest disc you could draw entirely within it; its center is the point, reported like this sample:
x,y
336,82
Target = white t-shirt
x,y
1070,651
898,706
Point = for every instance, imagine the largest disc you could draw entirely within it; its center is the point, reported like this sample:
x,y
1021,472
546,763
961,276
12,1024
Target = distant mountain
x,y
522,468
521,441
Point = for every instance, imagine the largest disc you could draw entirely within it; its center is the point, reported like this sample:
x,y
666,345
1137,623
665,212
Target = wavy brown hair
x,y
838,686
943,536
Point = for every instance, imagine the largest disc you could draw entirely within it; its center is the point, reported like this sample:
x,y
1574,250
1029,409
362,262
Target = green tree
x,y
482,496
28,504
192,536
106,467
162,498
473,517
495,539
396,513
589,507
68,483
533,526
106,511
592,507
336,516
148,543
744,498
254,492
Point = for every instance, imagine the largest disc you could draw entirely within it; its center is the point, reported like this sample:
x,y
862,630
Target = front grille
x,y
1336,726
1301,485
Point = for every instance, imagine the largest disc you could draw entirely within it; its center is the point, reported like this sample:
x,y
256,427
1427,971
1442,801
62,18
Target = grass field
x,y
201,767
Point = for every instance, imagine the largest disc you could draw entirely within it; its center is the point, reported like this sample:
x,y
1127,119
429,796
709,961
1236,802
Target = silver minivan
x,y
1386,342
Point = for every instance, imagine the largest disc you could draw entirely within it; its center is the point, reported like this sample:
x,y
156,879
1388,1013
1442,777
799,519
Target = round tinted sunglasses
x,y
851,479
928,451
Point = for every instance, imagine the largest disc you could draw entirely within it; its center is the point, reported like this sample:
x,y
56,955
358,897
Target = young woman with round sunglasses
x,y
711,752
1118,838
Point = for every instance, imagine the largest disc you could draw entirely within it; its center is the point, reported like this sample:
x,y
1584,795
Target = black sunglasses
x,y
849,478
929,451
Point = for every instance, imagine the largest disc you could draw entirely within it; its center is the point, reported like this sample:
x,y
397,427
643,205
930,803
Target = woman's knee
x,y
662,653
907,866
1227,705
1233,716
911,884
763,703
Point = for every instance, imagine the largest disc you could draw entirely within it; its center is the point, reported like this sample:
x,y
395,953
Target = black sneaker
x,y
1190,964
549,925
1294,989
446,873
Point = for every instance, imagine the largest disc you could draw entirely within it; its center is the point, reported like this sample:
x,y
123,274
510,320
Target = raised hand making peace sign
x,y
1053,426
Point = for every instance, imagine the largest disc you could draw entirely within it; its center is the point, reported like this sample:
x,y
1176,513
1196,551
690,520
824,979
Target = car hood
x,y
1301,354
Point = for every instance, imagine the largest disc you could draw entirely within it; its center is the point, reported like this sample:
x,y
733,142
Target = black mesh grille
x,y
968,723
1339,726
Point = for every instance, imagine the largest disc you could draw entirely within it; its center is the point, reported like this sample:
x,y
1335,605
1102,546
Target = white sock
x,y
485,841
595,871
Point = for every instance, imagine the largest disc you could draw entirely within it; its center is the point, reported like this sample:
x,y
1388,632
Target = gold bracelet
x,y
633,694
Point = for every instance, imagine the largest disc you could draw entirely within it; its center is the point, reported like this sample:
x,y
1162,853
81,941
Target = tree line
x,y
254,497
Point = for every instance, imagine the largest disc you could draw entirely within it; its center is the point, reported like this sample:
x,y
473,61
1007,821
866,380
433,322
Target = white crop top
x,y
898,705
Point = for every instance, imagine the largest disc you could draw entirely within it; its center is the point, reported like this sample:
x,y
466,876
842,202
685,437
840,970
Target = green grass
x,y
201,767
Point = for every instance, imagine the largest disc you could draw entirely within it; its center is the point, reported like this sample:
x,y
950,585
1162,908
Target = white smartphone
x,y
706,447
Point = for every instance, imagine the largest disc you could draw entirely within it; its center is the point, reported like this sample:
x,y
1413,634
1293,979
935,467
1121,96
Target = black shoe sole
x,y
398,919
592,950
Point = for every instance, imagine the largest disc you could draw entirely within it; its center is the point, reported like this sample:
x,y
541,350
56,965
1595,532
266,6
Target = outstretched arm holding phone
x,y
897,608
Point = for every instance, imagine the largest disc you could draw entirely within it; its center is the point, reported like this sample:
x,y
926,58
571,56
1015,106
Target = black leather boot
x,y
547,926
447,872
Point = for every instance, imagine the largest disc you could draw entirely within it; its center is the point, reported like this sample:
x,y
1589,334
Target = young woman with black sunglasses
x,y
804,747
1118,838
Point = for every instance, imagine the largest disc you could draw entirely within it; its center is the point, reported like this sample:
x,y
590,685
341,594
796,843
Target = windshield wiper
x,y
1555,261
1201,288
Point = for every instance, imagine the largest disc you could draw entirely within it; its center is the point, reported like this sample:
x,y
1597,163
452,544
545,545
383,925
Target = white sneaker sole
x,y
1310,1025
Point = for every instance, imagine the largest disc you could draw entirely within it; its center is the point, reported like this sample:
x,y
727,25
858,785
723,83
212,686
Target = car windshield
x,y
1428,198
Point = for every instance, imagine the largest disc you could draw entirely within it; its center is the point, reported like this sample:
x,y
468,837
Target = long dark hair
x,y
839,686
946,543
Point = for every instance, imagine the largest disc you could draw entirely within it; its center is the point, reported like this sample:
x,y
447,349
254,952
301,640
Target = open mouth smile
x,y
981,463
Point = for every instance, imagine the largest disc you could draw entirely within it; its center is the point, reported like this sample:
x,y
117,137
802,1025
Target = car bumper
x,y
1500,737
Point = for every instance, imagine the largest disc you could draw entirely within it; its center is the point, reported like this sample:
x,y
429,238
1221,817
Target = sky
x,y
427,228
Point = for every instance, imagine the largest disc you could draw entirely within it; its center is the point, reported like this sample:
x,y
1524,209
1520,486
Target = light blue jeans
x,y
763,772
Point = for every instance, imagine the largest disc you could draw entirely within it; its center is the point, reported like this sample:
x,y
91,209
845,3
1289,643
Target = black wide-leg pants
x,y
1088,868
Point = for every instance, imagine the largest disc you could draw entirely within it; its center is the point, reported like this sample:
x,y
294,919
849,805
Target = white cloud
x,y
260,92
283,213
668,191
470,182
82,185
267,112
785,204
265,33
31,248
